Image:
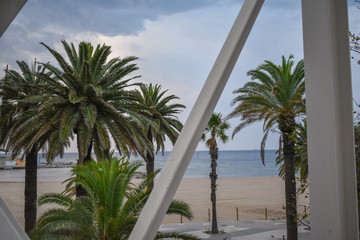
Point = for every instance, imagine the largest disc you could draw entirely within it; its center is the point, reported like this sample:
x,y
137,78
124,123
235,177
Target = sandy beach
x,y
249,195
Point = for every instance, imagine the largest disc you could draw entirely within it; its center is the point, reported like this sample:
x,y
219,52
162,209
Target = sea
x,y
231,164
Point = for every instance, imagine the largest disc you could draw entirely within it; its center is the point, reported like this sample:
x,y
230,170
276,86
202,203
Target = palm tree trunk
x,y
290,182
150,165
213,177
150,160
80,191
30,190
357,157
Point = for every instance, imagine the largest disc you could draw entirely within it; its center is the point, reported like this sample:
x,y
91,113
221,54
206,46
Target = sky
x,y
176,42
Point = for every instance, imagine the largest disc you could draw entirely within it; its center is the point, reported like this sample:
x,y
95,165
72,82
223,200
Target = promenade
x,y
238,230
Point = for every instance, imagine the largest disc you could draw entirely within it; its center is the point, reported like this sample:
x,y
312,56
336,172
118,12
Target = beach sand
x,y
249,195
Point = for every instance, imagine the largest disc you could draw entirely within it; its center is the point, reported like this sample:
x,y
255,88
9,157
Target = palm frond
x,y
175,235
111,208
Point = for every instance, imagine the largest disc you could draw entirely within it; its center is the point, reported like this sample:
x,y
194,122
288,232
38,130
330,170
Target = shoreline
x,y
249,195
16,167
62,173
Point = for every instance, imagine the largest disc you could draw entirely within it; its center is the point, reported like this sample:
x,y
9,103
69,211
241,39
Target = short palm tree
x,y
276,97
161,120
90,97
110,209
18,115
216,127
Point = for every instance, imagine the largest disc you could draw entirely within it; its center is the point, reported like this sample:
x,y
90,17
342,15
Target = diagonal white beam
x,y
155,209
9,227
329,120
8,11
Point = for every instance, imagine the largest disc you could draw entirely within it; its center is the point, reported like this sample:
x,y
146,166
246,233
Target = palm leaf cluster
x,y
89,97
110,209
217,127
275,96
161,115
86,96
161,120
19,111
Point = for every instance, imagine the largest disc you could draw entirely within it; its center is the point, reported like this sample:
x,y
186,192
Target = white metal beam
x,y
10,228
8,11
333,198
170,177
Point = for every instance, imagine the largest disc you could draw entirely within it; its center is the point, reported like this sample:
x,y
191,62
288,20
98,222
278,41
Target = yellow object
x,y
20,163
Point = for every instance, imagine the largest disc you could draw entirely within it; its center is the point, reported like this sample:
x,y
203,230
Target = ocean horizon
x,y
231,164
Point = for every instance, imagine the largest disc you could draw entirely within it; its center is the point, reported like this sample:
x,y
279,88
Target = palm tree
x,y
91,100
276,97
357,156
17,113
300,158
161,120
110,209
216,127
300,163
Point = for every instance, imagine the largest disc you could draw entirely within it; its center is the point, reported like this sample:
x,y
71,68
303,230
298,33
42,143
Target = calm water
x,y
230,164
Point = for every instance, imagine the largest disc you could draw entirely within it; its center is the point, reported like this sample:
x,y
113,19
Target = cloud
x,y
110,17
179,50
177,42
50,21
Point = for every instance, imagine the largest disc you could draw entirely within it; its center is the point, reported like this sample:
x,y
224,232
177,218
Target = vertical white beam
x,y
329,120
174,169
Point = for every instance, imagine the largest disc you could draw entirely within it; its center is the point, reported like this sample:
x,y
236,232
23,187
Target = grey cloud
x,y
277,32
49,21
109,17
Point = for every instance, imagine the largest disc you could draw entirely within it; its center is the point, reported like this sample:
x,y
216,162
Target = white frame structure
x,y
333,195
330,123
9,227
170,176
329,120
8,11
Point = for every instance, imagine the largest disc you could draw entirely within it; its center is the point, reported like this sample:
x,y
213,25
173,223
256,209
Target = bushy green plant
x,y
110,209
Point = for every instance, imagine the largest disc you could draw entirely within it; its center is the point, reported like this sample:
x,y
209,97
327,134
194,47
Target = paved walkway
x,y
241,230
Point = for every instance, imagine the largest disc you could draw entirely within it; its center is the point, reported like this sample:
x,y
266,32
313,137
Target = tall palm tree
x,y
110,209
300,158
357,156
216,127
276,97
161,120
17,114
90,98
